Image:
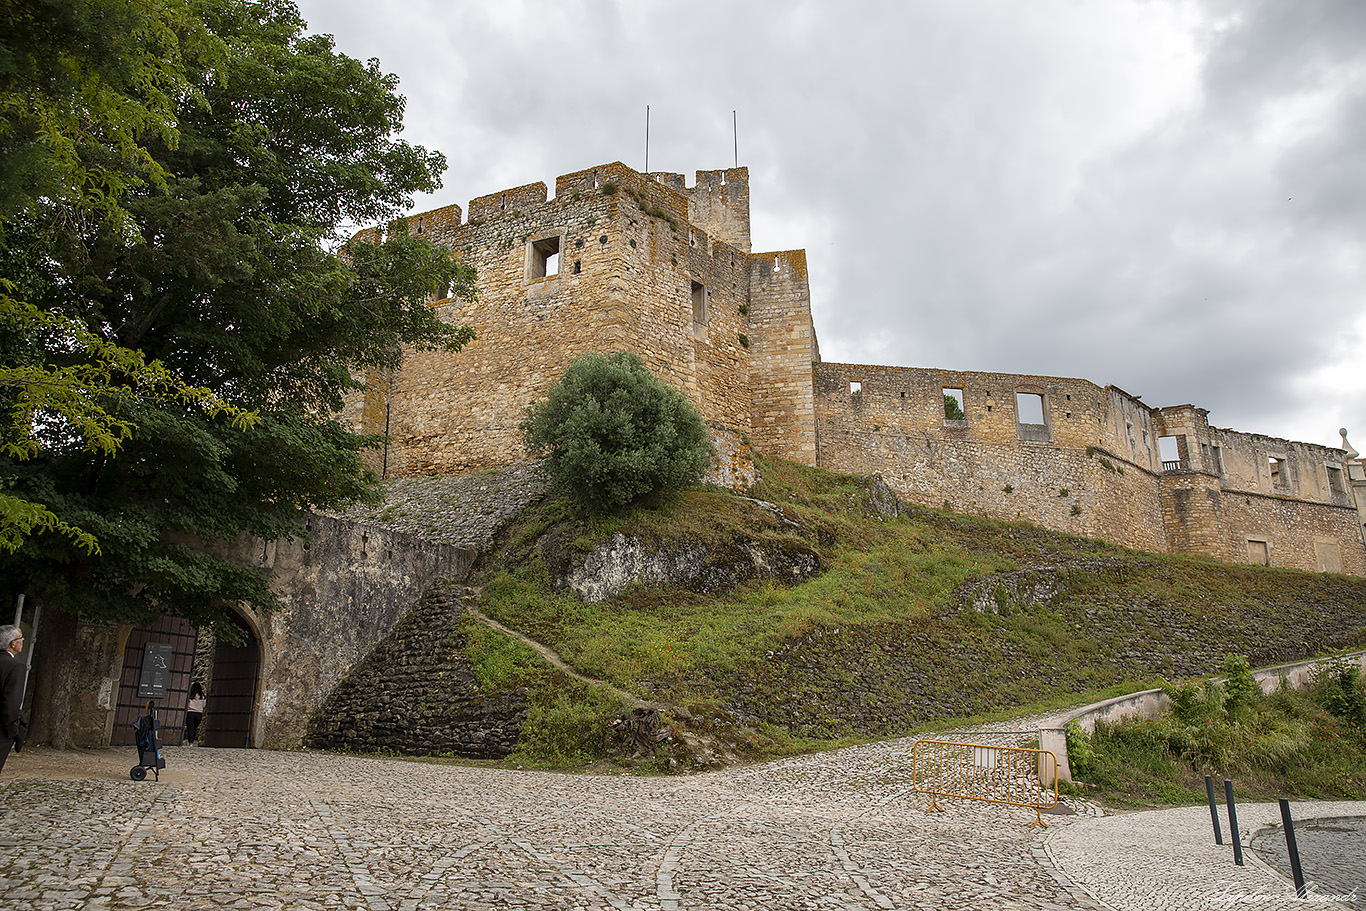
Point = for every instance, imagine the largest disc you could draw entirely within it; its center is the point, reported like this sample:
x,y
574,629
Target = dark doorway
x,y
169,709
232,692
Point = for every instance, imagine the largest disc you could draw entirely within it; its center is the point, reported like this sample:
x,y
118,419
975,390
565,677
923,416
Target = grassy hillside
x,y
924,618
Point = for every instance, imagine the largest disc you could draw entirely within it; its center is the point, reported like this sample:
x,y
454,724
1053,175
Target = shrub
x,y
1081,755
614,434
1338,687
1240,687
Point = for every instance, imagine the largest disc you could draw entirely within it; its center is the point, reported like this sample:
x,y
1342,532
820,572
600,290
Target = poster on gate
x,y
156,671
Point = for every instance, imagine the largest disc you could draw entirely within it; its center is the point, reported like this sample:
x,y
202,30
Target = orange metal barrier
x,y
975,771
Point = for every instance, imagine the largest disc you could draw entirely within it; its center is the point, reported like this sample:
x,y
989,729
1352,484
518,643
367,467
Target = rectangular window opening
x,y
1169,451
1335,480
1217,459
1277,468
1258,553
1030,422
545,258
699,302
1029,408
855,387
953,405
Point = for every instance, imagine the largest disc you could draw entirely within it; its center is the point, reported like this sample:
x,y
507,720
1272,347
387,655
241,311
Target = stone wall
x,y
633,272
783,354
1089,462
1247,497
652,265
341,592
644,263
1301,535
1074,471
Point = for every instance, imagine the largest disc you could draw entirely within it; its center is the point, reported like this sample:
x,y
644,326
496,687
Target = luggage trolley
x,y
149,747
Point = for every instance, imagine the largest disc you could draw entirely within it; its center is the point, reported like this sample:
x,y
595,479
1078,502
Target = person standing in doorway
x,y
12,678
194,712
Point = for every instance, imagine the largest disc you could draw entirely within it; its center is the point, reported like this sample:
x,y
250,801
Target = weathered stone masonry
x,y
649,264
615,260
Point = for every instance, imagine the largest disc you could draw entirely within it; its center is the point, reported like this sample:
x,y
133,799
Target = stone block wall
x,y
783,353
1317,537
644,263
1071,473
650,264
1193,514
342,592
633,272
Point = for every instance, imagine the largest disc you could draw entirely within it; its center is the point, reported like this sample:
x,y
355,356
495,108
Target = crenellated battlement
x,y
506,201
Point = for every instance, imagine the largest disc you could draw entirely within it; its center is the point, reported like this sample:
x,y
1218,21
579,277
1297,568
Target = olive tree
x,y
613,434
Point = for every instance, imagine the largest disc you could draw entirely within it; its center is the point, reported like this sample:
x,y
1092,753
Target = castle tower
x,y
616,259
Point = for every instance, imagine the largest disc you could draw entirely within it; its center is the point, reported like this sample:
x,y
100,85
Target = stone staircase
x,y
416,693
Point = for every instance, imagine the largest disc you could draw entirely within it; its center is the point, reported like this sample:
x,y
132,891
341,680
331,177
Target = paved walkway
x,y
237,829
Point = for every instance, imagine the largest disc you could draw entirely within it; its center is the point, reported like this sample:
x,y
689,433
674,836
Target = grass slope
x,y
884,639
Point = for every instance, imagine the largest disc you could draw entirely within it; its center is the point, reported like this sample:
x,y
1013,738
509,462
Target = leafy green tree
x,y
222,260
81,83
614,434
952,410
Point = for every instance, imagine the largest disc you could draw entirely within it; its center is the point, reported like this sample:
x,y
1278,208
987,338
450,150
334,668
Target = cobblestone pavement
x,y
238,829
1167,859
1332,854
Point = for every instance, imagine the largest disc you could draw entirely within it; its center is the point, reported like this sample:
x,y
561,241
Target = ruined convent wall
x,y
1074,470
1261,499
1088,461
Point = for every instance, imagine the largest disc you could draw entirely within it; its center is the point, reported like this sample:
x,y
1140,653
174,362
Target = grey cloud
x,y
1070,189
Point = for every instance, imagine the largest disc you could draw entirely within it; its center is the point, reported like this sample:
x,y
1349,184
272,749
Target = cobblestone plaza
x,y
244,829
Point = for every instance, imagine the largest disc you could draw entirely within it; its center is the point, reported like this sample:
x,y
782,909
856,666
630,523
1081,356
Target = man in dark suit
x,y
12,677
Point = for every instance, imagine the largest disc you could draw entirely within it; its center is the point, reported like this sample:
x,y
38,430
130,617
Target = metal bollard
x,y
1233,823
1293,850
1213,810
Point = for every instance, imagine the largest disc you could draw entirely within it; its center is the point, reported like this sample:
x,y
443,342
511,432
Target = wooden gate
x,y
232,694
169,709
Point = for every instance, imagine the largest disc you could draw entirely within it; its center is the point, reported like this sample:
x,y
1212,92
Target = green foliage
x,y
86,88
1339,688
182,317
1081,755
613,434
884,620
952,410
1241,690
1283,745
569,727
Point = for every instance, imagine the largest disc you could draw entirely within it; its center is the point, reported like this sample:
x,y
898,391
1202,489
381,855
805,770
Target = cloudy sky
x,y
1166,195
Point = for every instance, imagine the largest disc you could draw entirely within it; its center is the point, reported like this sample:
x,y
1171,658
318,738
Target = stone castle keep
x,y
620,259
